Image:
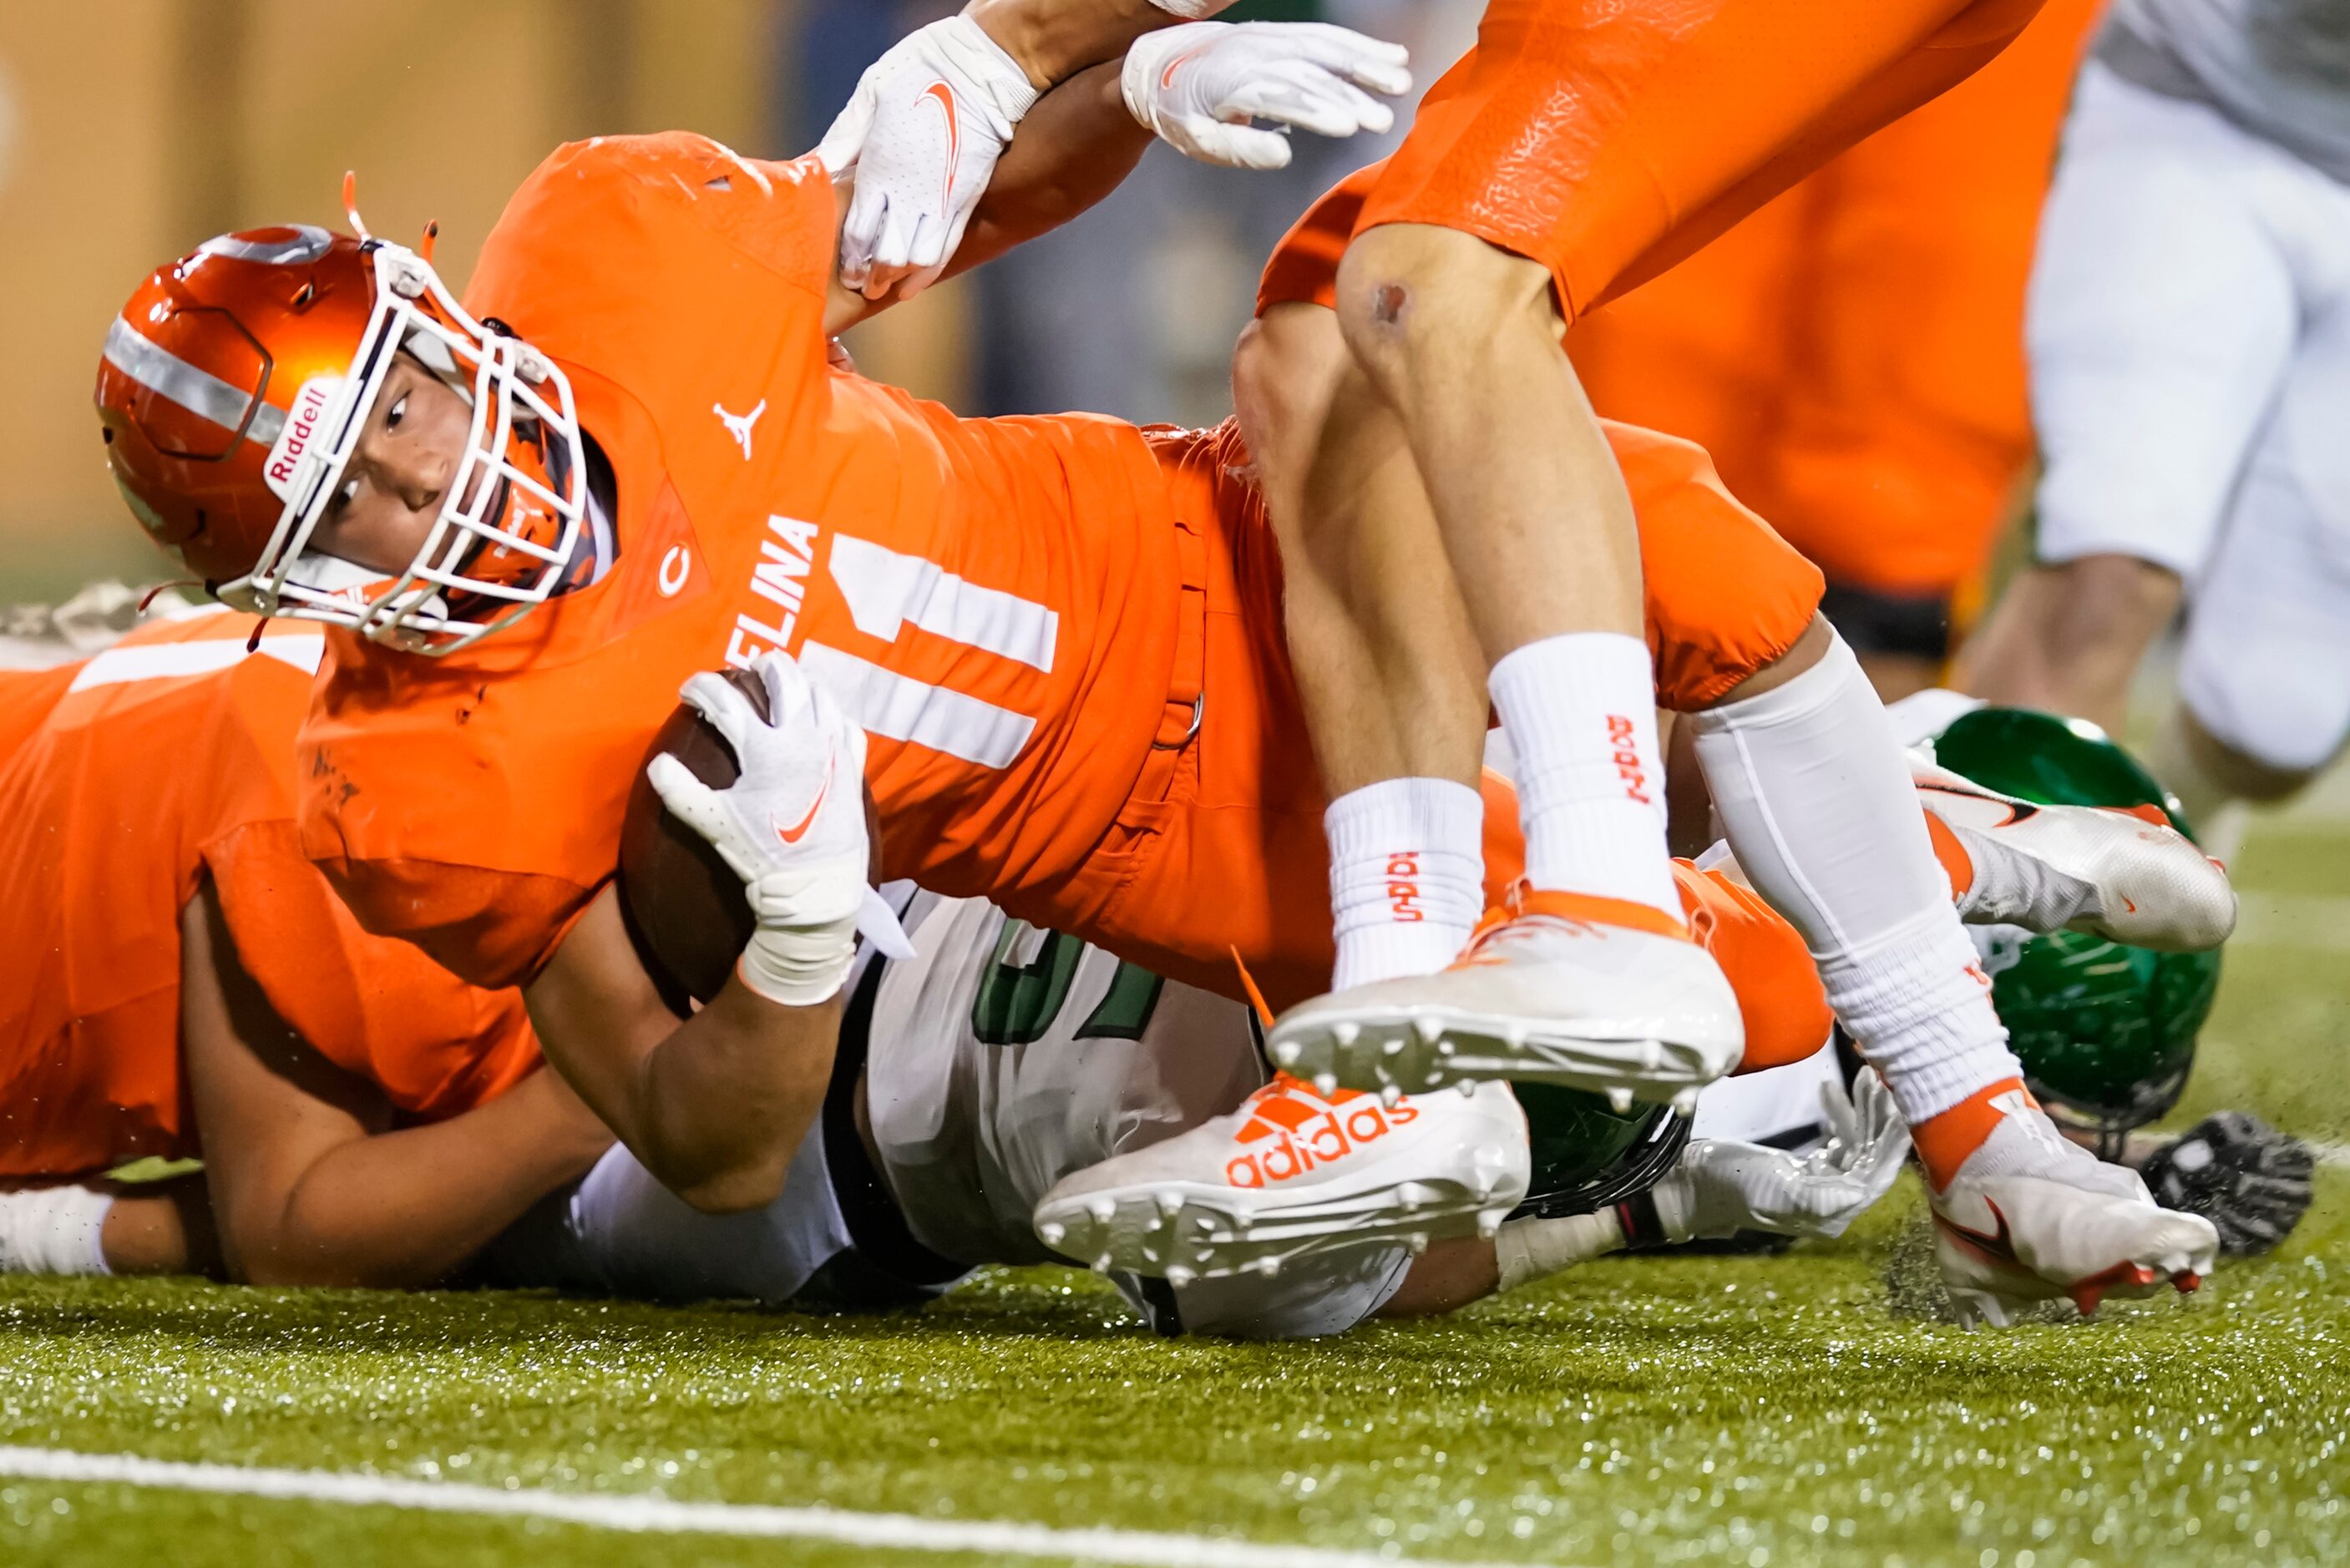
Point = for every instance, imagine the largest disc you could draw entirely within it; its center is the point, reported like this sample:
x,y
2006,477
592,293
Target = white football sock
x,y
1407,876
1581,712
1819,806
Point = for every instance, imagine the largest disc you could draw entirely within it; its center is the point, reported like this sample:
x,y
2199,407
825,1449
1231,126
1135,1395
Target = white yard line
x,y
643,1514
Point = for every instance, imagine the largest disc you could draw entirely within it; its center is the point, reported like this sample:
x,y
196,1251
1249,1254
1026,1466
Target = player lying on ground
x,y
1000,1059
1090,718
1449,508
2189,336
185,983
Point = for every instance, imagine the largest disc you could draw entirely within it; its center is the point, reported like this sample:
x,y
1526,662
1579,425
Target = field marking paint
x,y
640,1513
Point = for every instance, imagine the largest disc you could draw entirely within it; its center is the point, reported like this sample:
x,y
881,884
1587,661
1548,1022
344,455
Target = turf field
x,y
1790,1410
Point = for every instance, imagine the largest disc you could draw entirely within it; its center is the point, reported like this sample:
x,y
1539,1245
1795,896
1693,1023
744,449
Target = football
x,y
682,903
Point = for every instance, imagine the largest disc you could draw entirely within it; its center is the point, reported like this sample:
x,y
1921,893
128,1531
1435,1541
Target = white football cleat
x,y
1552,994
1295,1172
2122,872
2031,1218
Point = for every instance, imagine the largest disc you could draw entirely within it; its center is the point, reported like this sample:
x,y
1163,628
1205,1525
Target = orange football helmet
x,y
235,384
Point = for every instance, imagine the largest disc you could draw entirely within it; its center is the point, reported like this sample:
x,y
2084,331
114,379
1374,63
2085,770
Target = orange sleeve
x,y
1778,986
375,1007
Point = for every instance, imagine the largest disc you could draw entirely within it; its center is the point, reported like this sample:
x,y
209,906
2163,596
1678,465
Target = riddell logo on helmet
x,y
304,424
1627,758
1403,888
1334,1133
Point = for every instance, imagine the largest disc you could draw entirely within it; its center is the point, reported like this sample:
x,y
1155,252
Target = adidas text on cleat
x,y
2031,1217
1589,993
2122,872
1292,1172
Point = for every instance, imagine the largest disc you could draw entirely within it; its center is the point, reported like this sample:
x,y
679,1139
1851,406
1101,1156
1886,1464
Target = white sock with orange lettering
x,y
1407,876
1581,712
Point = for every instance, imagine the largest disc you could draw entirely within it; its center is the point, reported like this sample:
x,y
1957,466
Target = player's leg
x,y
2264,680
1395,696
2162,317
1469,249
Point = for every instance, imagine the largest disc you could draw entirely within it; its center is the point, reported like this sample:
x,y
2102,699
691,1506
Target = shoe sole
x,y
1185,1230
1428,1046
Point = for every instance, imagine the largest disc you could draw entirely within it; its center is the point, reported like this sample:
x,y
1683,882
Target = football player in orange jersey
x,y
1059,638
1458,530
183,983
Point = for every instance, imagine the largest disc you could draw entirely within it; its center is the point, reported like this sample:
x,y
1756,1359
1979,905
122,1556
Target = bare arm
x,y
1054,39
715,1106
307,1185
1076,146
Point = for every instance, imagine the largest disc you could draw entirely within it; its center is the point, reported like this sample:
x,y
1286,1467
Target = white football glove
x,y
1721,1187
54,1230
792,826
1198,86
923,133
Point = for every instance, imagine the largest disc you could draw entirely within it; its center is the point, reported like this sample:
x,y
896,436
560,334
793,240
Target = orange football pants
x,y
1852,355
1608,138
1219,859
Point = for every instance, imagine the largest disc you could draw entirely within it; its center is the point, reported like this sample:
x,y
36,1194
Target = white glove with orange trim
x,y
923,133
1199,87
792,826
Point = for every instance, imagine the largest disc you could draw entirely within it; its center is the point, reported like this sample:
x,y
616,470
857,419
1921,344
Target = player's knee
x,y
1413,299
1285,368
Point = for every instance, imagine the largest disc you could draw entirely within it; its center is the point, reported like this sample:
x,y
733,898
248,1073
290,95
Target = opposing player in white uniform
x,y
2189,338
1001,1060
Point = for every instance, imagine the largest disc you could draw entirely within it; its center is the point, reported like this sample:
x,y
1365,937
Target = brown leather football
x,y
684,906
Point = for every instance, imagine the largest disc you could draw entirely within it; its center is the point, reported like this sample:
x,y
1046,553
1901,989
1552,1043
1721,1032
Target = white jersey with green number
x,y
1005,1058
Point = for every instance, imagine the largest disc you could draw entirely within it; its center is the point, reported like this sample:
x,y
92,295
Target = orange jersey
x,y
996,601
127,779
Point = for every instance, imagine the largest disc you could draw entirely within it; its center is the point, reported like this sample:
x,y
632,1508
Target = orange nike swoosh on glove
x,y
794,834
944,95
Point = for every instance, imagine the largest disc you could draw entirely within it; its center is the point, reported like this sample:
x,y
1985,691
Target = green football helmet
x,y
2105,1033
1586,1155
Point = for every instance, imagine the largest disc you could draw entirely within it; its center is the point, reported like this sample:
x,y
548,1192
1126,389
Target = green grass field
x,y
1793,1410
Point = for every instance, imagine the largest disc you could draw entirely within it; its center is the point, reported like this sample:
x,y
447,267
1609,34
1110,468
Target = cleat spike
x,y
1177,1274
1103,1210
1514,1037
1268,1266
1619,1100
1101,1264
1685,1103
1345,1034
1390,1094
1392,1045
1468,1087
1489,1224
1418,1242
1430,1030
1652,1055
1284,1052
1206,1226
1444,1048
1325,1083
1051,1232
1171,1204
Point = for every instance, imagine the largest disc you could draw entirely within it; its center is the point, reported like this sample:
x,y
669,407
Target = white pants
x,y
2189,336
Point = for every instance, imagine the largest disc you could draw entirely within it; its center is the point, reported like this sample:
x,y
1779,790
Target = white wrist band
x,y
54,1230
1529,1250
1191,10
